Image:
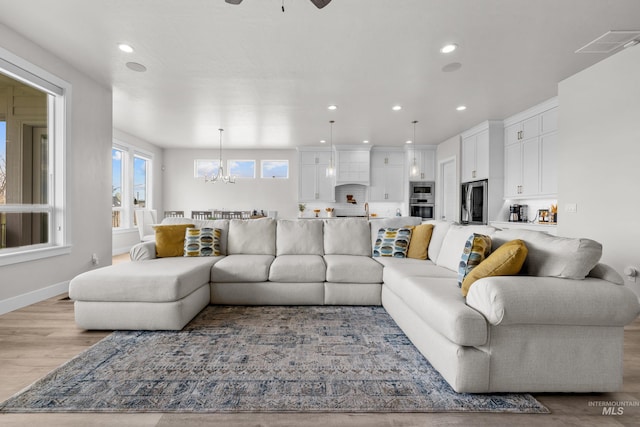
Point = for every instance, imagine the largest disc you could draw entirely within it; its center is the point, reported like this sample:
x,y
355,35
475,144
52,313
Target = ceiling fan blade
x,y
320,3
233,1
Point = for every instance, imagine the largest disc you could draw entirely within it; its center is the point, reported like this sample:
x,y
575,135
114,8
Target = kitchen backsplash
x,y
343,208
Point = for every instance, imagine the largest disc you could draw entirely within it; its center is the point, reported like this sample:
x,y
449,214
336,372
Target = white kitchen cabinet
x,y
425,162
481,151
314,185
353,165
387,176
482,158
530,152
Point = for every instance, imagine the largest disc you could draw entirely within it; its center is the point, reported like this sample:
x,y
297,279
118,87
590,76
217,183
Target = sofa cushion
x,y
252,236
440,229
392,242
398,269
170,239
420,238
242,268
221,224
299,238
454,241
348,236
156,280
352,269
298,268
507,260
438,302
476,249
202,242
554,256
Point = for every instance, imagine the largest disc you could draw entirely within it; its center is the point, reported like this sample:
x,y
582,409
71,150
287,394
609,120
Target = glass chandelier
x,y
220,176
414,167
331,170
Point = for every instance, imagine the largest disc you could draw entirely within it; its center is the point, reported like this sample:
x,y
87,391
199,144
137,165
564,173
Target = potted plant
x,y
301,208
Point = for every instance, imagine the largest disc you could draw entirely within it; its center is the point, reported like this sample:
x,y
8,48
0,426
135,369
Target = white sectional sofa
x,y
555,327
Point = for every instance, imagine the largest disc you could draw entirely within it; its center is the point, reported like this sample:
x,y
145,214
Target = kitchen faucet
x,y
366,209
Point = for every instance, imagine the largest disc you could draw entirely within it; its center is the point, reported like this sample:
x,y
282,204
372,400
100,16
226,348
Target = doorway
x,y
449,190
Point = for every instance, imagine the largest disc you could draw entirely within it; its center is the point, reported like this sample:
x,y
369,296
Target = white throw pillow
x,y
303,237
348,236
252,236
454,241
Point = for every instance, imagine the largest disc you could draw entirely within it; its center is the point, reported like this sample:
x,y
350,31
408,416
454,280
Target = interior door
x,y
449,194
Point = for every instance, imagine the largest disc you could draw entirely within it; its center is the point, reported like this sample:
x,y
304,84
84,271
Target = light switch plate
x,y
571,208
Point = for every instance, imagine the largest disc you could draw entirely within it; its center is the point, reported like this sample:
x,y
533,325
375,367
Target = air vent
x,y
610,41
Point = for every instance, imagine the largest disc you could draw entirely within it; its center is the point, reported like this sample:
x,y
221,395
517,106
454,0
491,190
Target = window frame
x,y
127,208
58,122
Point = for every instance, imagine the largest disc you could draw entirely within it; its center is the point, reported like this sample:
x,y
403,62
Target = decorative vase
x,y
301,214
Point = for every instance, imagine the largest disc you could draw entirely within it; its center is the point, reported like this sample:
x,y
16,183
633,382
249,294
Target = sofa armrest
x,y
511,300
143,251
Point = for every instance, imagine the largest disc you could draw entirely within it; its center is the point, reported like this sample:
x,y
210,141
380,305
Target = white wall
x,y
599,158
183,192
88,184
124,239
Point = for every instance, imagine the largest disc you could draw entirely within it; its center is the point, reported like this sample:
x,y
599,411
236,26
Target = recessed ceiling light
x,y
396,108
134,66
332,107
409,142
125,47
449,48
365,141
322,141
461,107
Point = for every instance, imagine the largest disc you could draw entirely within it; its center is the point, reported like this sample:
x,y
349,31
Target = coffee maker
x,y
518,213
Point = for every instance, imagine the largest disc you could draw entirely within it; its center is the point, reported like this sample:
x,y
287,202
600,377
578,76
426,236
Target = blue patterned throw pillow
x,y
202,242
392,242
476,249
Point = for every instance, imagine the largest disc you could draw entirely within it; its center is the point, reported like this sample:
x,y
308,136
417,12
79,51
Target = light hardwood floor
x,y
37,339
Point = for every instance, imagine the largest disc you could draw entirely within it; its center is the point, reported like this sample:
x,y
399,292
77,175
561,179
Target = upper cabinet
x,y
387,175
425,158
314,185
353,164
530,152
482,152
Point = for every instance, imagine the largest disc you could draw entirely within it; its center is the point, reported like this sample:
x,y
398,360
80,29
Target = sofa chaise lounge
x,y
555,327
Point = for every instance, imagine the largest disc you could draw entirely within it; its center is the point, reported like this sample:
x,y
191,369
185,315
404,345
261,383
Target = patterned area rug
x,y
261,359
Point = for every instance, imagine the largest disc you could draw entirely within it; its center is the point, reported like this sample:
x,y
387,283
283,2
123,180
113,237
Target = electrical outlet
x,y
94,259
571,208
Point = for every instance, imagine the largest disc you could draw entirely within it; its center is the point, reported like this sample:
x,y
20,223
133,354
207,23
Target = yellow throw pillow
x,y
420,239
170,239
507,260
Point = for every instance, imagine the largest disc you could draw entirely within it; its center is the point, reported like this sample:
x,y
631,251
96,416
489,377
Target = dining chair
x,y
173,214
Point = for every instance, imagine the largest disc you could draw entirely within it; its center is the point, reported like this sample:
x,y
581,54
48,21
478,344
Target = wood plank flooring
x,y
37,339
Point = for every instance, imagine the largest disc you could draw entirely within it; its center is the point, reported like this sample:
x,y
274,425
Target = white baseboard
x,y
14,303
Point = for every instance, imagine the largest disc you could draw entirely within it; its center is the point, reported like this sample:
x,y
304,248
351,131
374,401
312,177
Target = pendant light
x,y
331,170
220,176
414,172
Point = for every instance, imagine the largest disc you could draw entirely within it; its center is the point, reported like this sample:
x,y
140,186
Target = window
x,y
32,152
130,185
275,169
242,168
202,168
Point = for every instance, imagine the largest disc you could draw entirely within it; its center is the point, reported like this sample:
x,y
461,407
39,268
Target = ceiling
x,y
267,77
